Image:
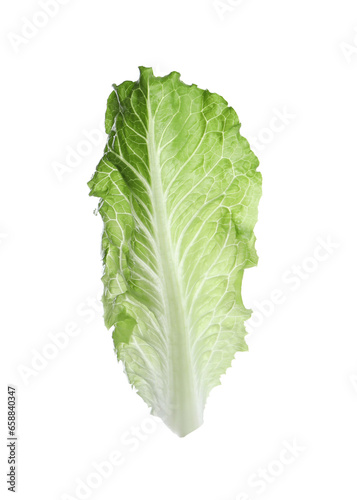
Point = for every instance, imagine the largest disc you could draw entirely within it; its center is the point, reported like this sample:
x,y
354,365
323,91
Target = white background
x,y
299,380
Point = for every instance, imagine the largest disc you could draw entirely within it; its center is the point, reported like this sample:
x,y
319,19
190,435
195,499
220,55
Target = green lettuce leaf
x,y
179,194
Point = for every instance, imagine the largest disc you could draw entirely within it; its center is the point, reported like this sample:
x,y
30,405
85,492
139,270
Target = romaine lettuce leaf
x,y
179,194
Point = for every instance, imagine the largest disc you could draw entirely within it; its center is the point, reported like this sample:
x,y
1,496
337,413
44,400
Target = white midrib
x,y
185,415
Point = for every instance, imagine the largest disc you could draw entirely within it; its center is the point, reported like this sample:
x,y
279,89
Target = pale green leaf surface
x,y
179,194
